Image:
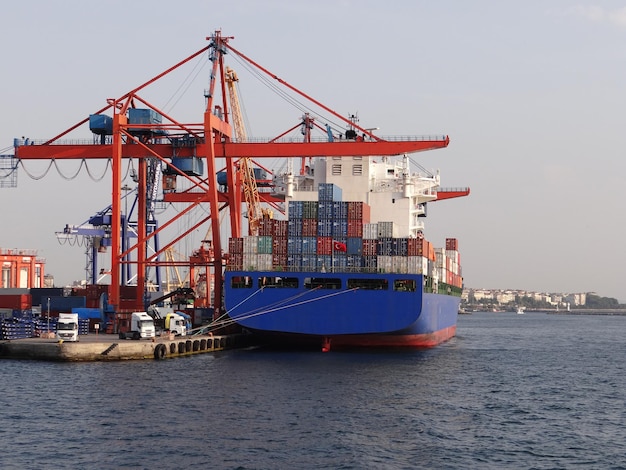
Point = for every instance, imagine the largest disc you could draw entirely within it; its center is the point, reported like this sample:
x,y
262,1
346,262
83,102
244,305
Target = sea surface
x,y
531,391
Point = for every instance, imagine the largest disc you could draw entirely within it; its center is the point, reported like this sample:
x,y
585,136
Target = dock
x,y
103,347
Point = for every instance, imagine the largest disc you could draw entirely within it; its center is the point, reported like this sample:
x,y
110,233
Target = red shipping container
x,y
265,227
235,245
309,227
279,261
416,246
16,301
369,247
324,245
279,228
355,228
452,244
279,245
235,261
359,211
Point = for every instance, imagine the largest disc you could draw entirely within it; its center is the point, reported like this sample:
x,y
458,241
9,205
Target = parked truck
x,y
141,326
167,320
67,327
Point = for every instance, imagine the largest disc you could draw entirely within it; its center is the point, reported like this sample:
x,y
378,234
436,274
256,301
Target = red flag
x,y
338,246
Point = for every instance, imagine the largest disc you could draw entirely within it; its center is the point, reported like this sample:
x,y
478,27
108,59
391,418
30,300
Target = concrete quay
x,y
103,347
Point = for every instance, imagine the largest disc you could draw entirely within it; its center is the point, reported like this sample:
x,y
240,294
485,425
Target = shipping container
x,y
355,228
279,245
370,231
324,245
235,245
309,245
386,246
452,244
415,246
325,228
325,210
294,262
17,301
370,263
329,192
294,228
250,244
359,211
294,210
385,263
354,246
340,210
369,247
294,245
324,262
264,245
386,229
235,261
309,209
279,261
279,228
265,227
340,228
309,227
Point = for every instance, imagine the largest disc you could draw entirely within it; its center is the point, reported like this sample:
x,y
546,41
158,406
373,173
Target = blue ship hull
x,y
342,309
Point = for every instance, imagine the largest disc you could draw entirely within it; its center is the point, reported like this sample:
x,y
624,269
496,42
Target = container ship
x,y
350,266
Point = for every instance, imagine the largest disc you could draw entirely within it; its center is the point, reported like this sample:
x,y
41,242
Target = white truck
x,y
165,319
67,327
176,324
141,326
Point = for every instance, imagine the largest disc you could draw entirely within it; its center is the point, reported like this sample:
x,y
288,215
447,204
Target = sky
x,y
530,93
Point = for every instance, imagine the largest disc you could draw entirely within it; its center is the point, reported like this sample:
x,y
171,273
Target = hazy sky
x,y
531,94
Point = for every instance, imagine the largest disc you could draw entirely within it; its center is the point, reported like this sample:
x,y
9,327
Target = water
x,y
510,391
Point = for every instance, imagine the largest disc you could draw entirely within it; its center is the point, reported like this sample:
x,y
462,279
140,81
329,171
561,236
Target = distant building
x,y
21,269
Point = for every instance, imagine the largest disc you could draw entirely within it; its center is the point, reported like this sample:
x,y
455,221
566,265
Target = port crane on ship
x,y
185,153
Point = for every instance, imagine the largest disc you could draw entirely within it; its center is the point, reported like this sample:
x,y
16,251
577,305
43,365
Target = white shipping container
x,y
400,264
417,265
370,231
386,229
440,258
251,261
264,262
385,263
453,255
250,244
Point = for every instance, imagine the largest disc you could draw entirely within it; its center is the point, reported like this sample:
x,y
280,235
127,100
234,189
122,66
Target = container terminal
x,y
212,168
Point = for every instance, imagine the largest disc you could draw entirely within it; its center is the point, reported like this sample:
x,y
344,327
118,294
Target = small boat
x,y
520,310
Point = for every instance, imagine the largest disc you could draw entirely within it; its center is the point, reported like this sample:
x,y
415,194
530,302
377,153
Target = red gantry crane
x,y
141,131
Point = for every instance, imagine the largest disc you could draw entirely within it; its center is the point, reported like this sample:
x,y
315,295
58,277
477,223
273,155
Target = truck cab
x,y
141,326
67,327
176,324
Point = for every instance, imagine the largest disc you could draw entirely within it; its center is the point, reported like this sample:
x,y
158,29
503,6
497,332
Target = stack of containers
x,y
333,233
16,328
332,228
447,263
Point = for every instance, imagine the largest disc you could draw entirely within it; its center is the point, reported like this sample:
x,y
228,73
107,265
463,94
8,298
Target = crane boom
x,y
248,180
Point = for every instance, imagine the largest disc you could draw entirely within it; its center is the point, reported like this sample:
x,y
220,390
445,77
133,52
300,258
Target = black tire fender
x,y
160,351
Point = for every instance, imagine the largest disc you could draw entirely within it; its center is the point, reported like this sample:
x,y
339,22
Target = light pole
x,y
48,314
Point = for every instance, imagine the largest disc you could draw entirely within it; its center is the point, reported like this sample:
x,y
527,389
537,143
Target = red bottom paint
x,y
426,340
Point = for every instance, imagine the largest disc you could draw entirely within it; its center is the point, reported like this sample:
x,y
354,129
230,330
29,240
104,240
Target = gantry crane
x,y
188,151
